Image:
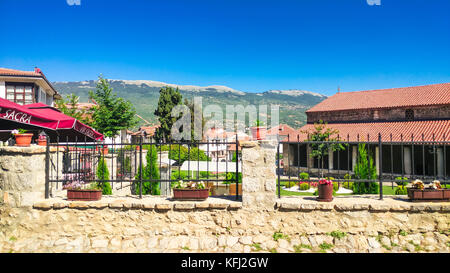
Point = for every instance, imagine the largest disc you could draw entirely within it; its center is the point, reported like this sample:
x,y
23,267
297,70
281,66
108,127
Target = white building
x,y
26,87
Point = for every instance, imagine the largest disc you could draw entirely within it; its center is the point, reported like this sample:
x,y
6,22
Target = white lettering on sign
x,y
19,116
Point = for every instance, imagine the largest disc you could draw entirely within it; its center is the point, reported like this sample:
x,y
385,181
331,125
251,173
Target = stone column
x,y
354,156
330,159
407,159
22,174
440,161
259,174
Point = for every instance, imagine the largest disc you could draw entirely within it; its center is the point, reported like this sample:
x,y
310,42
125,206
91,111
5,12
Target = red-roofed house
x,y
26,87
420,113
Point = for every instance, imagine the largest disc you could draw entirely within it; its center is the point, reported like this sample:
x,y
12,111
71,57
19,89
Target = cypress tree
x,y
168,99
103,174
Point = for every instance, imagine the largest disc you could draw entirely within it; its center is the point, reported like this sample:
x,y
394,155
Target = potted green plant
x,y
190,191
418,192
79,191
23,139
259,131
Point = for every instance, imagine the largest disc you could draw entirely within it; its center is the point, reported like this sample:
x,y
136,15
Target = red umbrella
x,y
44,117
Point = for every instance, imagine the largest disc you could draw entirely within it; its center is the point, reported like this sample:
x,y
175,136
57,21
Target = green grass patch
x,y
325,246
256,247
337,234
279,235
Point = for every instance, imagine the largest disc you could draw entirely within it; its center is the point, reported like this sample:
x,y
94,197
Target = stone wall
x,y
223,227
22,174
429,112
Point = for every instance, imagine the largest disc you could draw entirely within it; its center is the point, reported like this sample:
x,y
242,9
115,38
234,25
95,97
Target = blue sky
x,y
248,45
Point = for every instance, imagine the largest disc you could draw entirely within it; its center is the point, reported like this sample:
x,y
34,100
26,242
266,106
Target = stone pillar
x,y
259,174
407,159
330,159
22,174
354,156
440,161
309,158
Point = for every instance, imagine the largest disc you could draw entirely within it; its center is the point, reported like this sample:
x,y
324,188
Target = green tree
x,y
149,172
325,142
364,169
168,99
111,114
68,106
195,136
103,174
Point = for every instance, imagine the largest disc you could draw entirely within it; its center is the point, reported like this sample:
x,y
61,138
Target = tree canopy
x,y
112,113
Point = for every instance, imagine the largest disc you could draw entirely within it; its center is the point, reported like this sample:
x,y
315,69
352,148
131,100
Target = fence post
x,y
237,167
278,168
141,167
380,167
47,168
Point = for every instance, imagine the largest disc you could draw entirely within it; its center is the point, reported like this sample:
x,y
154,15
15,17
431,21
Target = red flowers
x,y
325,181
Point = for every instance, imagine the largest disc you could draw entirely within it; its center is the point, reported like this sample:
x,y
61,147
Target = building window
x,y
409,114
19,93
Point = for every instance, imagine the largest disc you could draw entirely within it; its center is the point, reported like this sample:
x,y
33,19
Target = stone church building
x,y
413,122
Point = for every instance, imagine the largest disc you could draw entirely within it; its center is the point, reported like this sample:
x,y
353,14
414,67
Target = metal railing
x,y
404,160
197,161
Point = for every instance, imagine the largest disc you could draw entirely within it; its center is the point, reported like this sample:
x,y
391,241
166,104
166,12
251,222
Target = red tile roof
x,y
13,72
435,94
18,73
282,129
369,131
150,130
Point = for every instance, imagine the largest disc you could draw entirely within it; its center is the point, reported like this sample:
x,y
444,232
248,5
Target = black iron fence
x,y
145,167
364,165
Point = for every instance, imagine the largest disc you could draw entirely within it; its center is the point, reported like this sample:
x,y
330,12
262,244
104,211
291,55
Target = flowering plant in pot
x,y
325,190
259,131
78,190
42,140
190,190
23,138
434,192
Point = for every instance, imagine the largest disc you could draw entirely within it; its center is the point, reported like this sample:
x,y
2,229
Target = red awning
x,y
45,117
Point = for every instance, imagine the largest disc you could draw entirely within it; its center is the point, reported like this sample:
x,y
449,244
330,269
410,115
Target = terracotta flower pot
x,y
190,194
84,195
23,140
325,193
42,142
259,133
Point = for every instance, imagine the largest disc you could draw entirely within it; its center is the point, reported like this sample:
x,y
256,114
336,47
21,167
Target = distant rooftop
x,y
427,95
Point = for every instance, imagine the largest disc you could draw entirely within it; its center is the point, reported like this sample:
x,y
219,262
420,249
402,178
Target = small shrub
x,y
290,184
348,185
400,181
304,186
304,176
401,190
103,174
402,233
335,186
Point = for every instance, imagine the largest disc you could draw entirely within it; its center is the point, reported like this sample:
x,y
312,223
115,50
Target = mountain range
x,y
145,94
